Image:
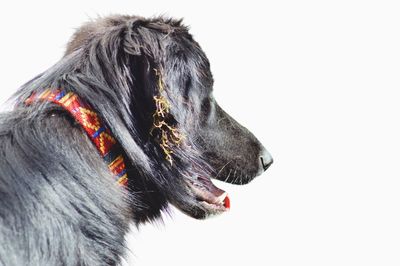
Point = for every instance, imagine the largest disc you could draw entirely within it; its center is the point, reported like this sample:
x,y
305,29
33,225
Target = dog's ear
x,y
141,55
145,44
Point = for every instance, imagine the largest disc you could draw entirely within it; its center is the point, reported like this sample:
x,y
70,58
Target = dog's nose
x,y
265,161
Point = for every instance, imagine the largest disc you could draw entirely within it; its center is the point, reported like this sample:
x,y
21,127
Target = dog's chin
x,y
203,199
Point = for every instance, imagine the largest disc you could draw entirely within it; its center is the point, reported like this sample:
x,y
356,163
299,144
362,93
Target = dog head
x,y
183,137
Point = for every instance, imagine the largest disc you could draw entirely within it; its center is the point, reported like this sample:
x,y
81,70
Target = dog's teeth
x,y
221,198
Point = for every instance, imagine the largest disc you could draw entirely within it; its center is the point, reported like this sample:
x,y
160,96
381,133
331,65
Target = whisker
x,y
223,168
228,175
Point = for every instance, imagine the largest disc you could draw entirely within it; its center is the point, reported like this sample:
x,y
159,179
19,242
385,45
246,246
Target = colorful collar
x,y
97,131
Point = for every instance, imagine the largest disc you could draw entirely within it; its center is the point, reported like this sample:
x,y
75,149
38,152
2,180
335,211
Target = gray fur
x,y
59,203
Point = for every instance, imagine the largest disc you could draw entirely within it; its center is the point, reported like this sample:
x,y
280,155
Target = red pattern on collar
x,y
97,131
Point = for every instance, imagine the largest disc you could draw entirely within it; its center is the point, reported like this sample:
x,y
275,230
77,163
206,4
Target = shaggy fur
x,y
59,204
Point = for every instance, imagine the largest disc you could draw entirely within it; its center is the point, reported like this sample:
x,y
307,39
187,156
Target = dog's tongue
x,y
227,202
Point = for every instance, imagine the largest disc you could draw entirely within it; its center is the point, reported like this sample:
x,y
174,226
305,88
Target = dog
x,y
141,90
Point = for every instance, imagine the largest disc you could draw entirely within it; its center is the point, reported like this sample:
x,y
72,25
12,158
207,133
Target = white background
x,y
318,84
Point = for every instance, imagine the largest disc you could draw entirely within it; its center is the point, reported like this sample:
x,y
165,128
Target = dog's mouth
x,y
213,199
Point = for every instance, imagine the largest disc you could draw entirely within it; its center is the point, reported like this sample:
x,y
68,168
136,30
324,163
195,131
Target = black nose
x,y
266,163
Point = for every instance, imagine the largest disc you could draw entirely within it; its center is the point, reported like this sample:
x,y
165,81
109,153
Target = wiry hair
x,y
151,84
59,203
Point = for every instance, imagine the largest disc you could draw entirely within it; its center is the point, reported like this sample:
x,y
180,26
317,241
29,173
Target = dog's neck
x,y
97,131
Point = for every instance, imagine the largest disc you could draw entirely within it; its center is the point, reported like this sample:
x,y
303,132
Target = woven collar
x,y
97,131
